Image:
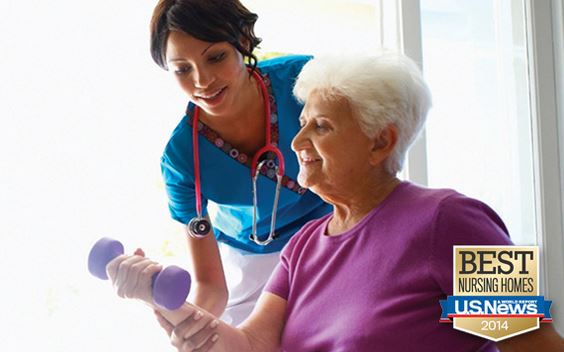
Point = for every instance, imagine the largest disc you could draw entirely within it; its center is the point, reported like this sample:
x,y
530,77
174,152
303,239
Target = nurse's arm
x,y
544,339
209,289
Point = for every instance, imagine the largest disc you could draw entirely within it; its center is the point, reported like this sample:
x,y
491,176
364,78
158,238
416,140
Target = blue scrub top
x,y
225,173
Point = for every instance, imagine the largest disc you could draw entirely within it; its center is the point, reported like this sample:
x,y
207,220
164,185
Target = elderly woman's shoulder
x,y
448,198
440,196
451,211
446,202
427,197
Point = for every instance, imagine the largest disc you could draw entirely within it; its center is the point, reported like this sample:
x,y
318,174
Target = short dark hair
x,y
207,20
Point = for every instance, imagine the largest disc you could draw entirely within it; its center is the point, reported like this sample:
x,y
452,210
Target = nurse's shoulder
x,y
284,67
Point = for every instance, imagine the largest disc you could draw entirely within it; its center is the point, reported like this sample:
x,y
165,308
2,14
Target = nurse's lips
x,y
210,95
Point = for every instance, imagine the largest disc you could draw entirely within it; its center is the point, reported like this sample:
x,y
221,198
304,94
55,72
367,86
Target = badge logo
x,y
496,292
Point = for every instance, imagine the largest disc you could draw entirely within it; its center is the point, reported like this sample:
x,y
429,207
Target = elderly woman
x,y
370,275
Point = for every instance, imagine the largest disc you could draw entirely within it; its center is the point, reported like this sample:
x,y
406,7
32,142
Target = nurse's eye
x,y
181,70
218,57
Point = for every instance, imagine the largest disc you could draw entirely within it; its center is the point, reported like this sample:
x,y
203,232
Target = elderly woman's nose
x,y
300,141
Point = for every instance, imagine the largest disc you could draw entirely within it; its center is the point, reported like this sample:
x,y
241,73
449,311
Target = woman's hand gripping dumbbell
x,y
168,288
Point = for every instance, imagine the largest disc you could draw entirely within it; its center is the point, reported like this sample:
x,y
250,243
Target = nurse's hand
x,y
131,276
197,333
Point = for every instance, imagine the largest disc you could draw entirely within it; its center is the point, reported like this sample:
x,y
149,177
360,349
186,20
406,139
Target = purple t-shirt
x,y
377,286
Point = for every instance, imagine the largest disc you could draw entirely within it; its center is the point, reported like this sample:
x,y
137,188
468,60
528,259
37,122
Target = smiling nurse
x,y
240,106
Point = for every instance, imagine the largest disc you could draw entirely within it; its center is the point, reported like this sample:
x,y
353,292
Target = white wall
x,y
84,117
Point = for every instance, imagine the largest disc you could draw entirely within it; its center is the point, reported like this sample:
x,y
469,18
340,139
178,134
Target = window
x,y
479,138
520,43
316,26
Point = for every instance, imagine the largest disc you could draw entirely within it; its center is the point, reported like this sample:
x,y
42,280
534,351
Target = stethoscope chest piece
x,y
199,227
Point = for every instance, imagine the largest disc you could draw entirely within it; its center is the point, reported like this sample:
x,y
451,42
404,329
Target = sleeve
x,y
179,184
460,220
279,282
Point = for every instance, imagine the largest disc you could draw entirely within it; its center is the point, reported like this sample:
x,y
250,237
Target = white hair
x,y
381,90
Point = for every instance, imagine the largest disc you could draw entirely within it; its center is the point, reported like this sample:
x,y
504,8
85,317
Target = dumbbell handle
x,y
170,286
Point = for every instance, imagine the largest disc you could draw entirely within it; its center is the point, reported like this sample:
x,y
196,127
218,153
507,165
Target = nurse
x,y
241,106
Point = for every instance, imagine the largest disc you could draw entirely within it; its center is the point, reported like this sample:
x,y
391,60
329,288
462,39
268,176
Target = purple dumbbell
x,y
170,286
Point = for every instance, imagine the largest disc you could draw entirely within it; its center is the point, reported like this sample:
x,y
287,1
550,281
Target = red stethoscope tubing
x,y
268,147
197,184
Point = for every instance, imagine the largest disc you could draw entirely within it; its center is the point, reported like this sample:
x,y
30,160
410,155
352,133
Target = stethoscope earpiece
x,y
199,227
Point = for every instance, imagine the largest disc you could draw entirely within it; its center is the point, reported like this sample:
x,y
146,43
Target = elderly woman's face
x,y
332,150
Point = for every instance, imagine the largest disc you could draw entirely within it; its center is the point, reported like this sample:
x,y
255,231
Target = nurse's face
x,y
212,74
332,150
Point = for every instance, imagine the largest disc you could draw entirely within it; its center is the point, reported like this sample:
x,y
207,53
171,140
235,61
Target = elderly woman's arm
x,y
195,328
544,339
261,332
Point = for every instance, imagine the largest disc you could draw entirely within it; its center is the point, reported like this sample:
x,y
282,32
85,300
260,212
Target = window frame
x,y
545,51
544,22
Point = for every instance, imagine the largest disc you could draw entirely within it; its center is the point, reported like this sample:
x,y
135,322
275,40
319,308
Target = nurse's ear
x,y
245,43
383,144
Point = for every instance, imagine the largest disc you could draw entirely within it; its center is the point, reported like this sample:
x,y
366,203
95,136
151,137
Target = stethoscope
x,y
199,226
